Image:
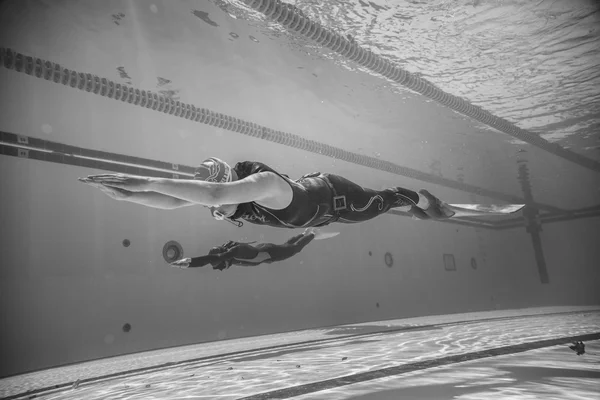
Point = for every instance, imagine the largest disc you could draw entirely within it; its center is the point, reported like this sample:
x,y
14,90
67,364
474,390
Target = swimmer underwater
x,y
249,255
254,192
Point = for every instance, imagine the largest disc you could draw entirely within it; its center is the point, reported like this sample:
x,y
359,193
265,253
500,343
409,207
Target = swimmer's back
x,y
311,202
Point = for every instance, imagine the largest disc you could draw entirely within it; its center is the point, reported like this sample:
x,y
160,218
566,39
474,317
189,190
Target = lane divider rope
x,y
87,82
289,17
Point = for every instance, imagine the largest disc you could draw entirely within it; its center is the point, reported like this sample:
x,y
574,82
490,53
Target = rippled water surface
x,y
536,63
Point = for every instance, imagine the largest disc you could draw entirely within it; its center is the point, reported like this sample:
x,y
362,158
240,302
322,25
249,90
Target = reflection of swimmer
x,y
249,255
256,193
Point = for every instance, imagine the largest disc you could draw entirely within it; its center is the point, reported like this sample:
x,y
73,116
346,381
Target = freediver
x,y
249,254
253,192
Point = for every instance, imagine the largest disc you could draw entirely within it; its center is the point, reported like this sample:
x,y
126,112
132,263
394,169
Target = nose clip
x,y
219,216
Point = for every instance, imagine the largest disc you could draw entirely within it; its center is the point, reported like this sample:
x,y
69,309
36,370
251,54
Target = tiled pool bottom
x,y
331,363
547,373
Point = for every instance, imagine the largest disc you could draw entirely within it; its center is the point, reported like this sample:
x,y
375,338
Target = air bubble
x,y
183,134
47,129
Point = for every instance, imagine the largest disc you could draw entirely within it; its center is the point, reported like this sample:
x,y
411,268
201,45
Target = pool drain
x,y
172,251
389,260
473,263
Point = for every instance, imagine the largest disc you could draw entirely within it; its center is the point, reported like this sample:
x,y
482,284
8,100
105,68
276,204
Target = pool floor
x,y
519,354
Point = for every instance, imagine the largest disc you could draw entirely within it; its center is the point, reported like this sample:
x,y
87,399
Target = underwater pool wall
x,y
70,287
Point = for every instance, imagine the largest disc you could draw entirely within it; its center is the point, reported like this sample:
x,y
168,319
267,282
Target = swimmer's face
x,y
226,210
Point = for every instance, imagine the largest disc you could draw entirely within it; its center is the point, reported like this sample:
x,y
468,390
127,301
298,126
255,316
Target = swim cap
x,y
214,170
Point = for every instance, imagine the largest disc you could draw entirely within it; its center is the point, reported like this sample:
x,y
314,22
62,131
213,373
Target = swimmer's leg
x,y
293,246
239,251
363,204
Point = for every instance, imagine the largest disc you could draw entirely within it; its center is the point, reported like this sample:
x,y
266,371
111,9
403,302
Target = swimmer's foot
x,y
431,206
404,198
418,213
319,235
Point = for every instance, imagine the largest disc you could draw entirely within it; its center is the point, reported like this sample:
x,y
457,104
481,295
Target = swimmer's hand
x,y
132,183
112,192
183,263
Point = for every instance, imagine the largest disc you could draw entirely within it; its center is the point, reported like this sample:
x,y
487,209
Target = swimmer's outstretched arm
x,y
241,251
148,199
252,188
157,200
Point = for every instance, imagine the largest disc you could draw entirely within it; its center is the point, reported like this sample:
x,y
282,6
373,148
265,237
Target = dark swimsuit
x,y
321,199
247,255
318,200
